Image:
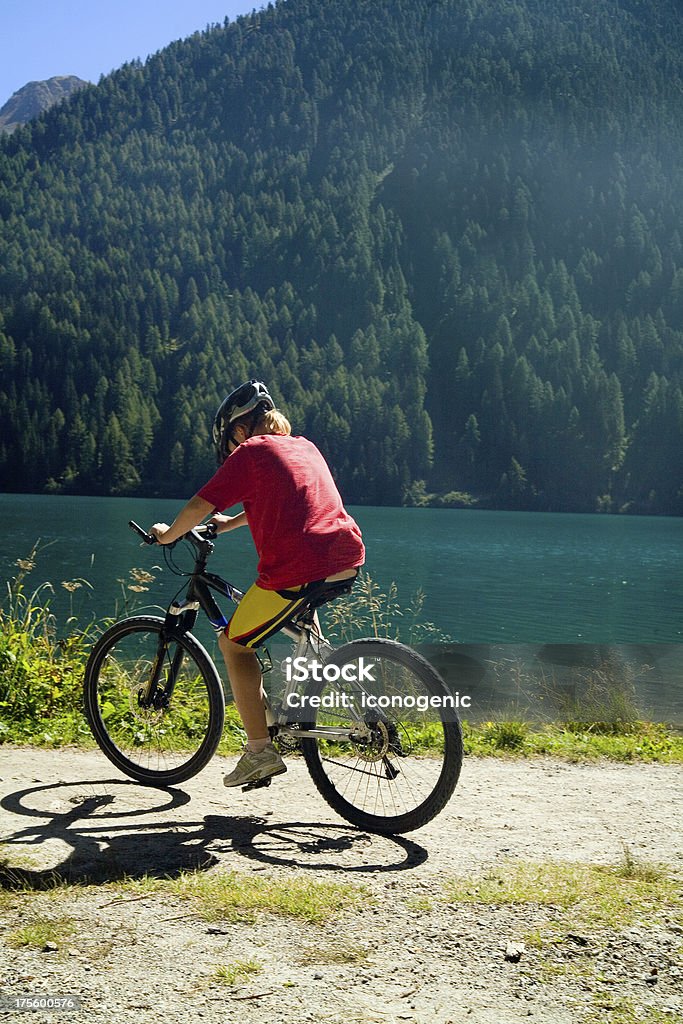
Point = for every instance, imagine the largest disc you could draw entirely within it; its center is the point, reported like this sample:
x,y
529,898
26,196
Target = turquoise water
x,y
489,577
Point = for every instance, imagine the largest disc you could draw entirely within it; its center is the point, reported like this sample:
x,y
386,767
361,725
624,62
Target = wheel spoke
x,y
154,702
406,766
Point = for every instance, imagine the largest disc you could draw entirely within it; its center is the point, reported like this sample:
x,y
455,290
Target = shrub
x,y
40,674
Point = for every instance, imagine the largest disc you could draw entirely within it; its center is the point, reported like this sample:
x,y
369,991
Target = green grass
x,y
239,970
420,904
587,894
369,611
233,896
607,1009
637,742
39,916
214,896
40,931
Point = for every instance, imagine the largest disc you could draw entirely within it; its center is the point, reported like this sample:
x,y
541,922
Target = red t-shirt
x,y
300,527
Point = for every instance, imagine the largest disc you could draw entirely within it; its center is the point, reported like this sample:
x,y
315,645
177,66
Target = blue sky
x,y
89,38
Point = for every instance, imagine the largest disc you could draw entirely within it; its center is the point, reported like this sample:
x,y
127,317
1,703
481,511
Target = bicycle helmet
x,y
248,397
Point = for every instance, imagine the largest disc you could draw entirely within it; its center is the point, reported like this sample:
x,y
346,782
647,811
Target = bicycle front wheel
x,y
154,701
401,762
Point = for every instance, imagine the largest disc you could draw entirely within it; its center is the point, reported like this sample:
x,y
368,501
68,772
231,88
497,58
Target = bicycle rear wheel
x,y
403,764
159,738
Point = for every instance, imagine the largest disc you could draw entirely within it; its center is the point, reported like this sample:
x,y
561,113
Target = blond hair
x,y
270,422
274,422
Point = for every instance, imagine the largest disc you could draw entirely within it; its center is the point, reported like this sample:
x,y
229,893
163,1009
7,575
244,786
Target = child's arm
x,y
225,523
194,512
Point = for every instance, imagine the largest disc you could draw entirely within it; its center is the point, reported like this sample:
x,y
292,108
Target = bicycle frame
x,y
154,701
182,615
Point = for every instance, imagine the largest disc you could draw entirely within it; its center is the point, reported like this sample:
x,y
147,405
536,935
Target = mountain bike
x,y
376,725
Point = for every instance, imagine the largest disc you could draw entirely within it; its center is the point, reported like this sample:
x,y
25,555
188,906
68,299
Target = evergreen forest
x,y
447,233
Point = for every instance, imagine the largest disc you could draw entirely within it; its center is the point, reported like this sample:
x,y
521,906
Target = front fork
x,y
180,619
156,696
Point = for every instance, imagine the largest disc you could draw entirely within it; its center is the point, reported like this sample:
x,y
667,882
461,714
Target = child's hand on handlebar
x,y
158,531
223,523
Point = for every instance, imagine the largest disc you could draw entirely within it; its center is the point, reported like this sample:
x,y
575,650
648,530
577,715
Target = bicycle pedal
x,y
257,784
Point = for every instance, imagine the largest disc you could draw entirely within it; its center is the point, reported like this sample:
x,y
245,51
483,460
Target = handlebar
x,y
200,534
148,538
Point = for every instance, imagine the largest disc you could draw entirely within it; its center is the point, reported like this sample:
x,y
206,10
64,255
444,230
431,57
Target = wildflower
x,y
141,576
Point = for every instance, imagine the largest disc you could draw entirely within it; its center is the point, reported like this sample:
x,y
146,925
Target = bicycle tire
x,y
161,747
350,781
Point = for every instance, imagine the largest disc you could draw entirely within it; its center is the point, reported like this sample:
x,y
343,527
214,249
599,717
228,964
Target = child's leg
x,y
259,614
260,762
244,673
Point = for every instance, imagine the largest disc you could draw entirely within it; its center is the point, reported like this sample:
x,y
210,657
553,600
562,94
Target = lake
x,y
557,590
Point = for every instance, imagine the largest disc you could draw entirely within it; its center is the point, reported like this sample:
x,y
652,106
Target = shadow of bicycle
x,y
105,831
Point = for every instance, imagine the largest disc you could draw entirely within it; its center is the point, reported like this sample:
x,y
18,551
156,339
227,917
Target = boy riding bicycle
x,y
302,534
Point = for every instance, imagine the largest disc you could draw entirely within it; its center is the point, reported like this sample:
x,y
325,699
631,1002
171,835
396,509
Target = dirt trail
x,y
404,954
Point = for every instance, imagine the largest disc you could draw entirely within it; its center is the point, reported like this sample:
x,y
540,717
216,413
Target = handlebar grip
x,y
147,537
206,531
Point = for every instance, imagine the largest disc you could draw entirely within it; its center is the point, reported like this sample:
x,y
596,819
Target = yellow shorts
x,y
261,613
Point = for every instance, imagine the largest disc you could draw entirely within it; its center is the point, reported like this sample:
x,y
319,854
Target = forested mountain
x,y
447,232
35,97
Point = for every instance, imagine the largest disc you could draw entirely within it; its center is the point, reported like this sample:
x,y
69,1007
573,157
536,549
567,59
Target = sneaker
x,y
253,767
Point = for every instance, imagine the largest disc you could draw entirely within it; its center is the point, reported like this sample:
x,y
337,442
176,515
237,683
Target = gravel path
x,y
402,953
